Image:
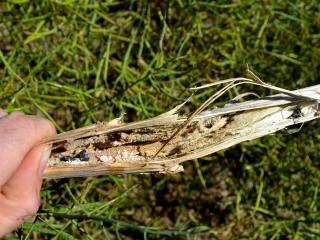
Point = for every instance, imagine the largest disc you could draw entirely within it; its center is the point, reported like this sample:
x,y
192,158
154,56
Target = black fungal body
x,y
67,158
84,156
296,112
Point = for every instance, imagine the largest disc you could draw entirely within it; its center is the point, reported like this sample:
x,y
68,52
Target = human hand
x,y
22,163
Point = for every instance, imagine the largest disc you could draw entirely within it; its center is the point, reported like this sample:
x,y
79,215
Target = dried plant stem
x,y
160,144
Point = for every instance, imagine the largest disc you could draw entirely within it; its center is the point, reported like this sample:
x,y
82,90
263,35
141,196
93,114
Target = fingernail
x,y
45,154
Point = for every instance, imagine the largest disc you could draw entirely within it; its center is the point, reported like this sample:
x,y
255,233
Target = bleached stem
x,y
132,148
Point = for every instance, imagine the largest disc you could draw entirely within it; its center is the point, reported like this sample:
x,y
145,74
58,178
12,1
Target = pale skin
x,y
22,162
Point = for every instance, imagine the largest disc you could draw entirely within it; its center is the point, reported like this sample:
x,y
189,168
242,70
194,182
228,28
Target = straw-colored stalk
x,y
162,143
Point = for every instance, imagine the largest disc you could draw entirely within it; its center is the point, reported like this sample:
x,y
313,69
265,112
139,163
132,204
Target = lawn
x,y
79,62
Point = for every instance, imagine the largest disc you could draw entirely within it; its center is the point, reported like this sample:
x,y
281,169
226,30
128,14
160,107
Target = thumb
x,y
21,167
18,134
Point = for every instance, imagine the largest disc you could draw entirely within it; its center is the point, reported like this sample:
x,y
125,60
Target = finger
x,y
18,134
26,181
3,113
19,198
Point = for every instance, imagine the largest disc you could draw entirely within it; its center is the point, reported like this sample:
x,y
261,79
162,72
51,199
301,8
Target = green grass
x,y
78,62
